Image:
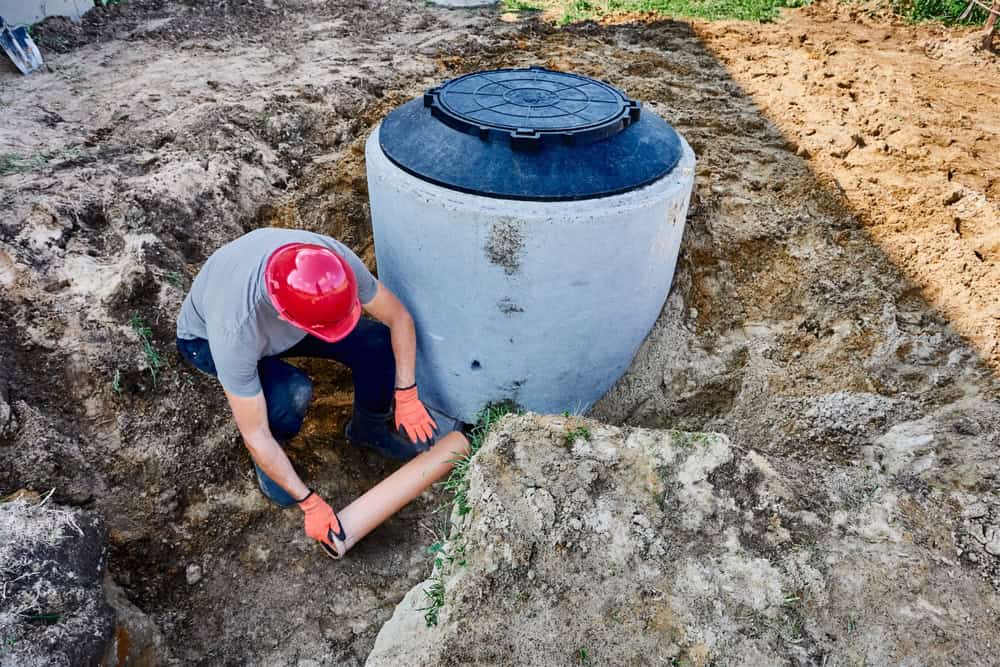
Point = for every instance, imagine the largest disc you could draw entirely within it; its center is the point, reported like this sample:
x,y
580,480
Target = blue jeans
x,y
367,351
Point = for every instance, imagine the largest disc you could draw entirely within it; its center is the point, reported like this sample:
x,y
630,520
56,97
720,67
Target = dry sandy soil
x,y
836,300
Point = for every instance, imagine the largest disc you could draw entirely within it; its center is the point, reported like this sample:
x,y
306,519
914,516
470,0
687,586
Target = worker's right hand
x,y
321,522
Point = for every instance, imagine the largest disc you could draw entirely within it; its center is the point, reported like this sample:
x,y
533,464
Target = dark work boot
x,y
371,430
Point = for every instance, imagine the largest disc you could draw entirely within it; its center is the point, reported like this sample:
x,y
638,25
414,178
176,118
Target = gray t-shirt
x,y
229,307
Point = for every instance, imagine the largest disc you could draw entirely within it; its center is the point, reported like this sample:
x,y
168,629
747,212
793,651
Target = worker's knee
x,y
287,405
300,392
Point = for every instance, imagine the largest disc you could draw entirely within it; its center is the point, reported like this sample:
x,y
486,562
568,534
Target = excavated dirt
x,y
596,545
835,304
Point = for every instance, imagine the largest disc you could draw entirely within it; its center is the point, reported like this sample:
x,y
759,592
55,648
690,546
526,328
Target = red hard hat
x,y
313,288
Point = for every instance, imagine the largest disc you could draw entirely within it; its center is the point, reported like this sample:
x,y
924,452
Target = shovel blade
x,y
20,48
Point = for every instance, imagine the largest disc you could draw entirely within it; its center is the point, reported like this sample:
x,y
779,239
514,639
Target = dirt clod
x,y
635,543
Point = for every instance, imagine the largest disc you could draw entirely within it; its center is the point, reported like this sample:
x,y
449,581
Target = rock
x,y
8,424
637,543
137,640
193,574
974,510
992,541
842,147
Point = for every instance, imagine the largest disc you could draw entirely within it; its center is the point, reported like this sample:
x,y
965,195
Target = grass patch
x,y
458,483
451,553
572,11
436,596
175,278
945,11
520,6
153,361
579,433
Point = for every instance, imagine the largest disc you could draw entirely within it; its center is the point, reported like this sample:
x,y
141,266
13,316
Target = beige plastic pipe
x,y
395,491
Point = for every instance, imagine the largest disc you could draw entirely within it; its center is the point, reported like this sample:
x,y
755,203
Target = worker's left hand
x,y
412,416
322,524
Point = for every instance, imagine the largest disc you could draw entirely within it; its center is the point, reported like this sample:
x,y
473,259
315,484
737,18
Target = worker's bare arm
x,y
390,311
251,419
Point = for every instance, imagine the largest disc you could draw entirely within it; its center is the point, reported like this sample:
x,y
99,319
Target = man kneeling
x,y
274,294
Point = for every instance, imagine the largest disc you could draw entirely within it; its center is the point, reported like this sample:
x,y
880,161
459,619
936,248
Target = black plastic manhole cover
x,y
530,134
531,106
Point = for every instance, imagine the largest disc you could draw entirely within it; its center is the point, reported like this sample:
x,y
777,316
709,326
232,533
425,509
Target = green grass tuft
x,y
175,278
573,11
458,483
519,6
153,361
436,595
580,433
451,553
945,11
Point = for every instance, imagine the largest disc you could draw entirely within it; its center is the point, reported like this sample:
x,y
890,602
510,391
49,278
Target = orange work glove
x,y
322,524
412,415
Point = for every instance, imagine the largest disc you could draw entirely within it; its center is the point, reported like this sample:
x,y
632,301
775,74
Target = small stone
x,y
993,540
842,147
193,574
8,425
974,510
966,426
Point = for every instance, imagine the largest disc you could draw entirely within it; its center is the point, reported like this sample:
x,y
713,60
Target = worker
x,y
279,293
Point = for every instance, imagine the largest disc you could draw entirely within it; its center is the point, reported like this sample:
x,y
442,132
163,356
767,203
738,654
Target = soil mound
x,y
591,544
51,562
58,607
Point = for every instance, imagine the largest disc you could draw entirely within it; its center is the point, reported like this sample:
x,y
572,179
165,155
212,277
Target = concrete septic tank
x,y
530,220
17,12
